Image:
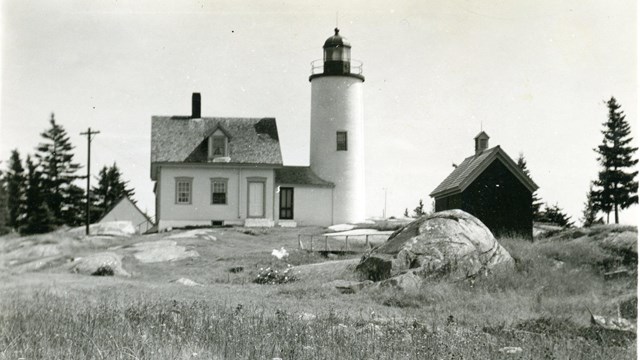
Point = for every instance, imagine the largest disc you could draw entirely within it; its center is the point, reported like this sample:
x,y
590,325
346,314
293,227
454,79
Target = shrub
x,y
272,276
104,270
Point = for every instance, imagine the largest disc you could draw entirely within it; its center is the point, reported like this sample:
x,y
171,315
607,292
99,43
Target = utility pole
x,y
89,138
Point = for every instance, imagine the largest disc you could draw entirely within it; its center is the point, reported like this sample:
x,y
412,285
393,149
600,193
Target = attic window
x,y
218,145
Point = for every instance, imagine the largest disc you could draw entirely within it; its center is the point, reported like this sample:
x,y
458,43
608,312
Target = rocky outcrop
x,y
97,264
452,244
162,250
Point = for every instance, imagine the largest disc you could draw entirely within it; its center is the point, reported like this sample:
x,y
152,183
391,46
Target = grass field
x,y
541,307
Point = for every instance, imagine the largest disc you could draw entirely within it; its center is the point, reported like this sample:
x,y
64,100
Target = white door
x,y
256,199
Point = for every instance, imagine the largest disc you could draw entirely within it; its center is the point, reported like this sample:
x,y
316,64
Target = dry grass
x,y
540,307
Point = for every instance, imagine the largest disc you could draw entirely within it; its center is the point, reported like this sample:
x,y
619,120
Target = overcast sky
x,y
535,74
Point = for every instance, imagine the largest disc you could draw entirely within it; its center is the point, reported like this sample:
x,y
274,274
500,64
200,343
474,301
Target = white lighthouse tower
x,y
337,127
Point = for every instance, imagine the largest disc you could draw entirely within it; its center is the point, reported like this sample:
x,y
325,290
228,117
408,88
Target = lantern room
x,y
336,59
337,55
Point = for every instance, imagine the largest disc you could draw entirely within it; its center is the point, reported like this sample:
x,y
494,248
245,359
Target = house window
x,y
183,190
217,146
341,137
219,191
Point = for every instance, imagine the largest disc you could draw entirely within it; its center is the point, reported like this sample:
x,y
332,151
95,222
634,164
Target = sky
x,y
533,75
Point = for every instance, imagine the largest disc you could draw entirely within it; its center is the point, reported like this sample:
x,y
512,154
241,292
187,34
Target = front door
x,y
286,203
256,199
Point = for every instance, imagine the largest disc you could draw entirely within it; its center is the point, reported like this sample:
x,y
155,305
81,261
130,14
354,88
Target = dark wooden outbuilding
x,y
490,186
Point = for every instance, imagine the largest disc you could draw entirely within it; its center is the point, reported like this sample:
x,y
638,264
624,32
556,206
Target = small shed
x,y
492,187
126,210
304,197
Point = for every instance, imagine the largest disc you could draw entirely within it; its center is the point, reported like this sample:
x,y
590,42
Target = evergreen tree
x,y
616,188
110,189
536,202
600,201
4,209
590,211
55,155
419,210
553,214
16,186
38,217
75,211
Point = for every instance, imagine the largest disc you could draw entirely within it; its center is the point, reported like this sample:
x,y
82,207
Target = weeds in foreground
x,y
53,328
539,307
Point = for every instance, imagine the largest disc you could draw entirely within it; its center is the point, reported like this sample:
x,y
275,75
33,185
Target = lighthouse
x,y
337,127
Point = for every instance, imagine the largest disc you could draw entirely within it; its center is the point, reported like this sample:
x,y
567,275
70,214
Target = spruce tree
x,y
16,187
419,210
38,217
590,211
74,212
554,214
4,209
110,189
536,202
616,188
55,155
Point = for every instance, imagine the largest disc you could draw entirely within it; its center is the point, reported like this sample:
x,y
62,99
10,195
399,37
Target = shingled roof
x,y
300,175
177,139
473,166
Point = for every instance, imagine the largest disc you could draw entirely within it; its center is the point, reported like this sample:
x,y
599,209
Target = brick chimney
x,y
195,105
482,142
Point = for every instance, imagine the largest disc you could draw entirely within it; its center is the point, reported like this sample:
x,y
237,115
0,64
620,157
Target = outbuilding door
x,y
286,203
256,199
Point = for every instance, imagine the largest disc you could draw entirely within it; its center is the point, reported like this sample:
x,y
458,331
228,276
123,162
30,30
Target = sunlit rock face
x,y
450,244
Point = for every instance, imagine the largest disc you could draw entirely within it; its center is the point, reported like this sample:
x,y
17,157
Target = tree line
x,y
39,194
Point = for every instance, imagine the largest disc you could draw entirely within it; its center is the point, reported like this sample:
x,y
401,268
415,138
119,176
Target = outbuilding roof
x,y
125,198
180,139
300,175
473,166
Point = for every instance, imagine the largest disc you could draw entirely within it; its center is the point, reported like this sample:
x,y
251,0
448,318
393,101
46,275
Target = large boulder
x,y
449,243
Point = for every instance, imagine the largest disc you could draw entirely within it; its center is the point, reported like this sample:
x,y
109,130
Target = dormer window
x,y
218,145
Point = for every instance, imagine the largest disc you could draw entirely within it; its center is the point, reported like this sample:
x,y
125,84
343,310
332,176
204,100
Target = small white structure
x,y
126,210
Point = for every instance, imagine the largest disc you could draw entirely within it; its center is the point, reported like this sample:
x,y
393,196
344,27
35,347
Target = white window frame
x,y
188,181
220,181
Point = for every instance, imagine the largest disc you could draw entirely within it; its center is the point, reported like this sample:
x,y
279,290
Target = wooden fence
x,y
342,242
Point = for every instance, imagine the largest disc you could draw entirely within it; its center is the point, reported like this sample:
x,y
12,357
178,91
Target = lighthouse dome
x,y
337,40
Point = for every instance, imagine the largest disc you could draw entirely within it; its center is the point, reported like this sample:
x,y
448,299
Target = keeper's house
x,y
490,186
217,171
